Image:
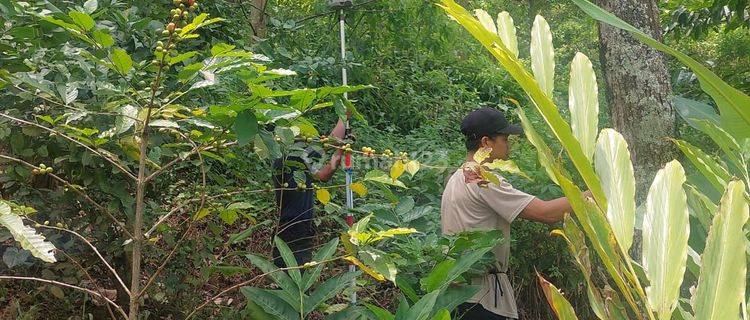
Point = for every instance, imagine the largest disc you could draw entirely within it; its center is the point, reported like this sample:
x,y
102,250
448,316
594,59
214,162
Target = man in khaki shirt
x,y
468,206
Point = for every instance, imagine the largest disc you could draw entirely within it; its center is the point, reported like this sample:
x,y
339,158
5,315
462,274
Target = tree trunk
x,y
638,92
258,17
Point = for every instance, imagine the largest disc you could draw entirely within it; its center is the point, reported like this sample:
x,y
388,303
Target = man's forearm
x,y
339,130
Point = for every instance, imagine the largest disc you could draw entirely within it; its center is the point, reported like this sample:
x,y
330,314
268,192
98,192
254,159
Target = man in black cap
x,y
470,203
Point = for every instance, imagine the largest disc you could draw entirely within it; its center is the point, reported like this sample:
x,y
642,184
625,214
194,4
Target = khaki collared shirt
x,y
467,206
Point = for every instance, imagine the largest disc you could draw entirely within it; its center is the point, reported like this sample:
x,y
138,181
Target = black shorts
x,y
299,235
474,311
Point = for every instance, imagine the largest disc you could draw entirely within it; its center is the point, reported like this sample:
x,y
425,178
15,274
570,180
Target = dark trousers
x,y
298,235
474,311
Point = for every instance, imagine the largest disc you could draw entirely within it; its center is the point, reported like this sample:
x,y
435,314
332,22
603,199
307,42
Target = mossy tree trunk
x,y
638,91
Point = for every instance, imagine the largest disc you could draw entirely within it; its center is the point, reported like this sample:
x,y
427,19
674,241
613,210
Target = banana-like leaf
x,y
612,163
577,246
665,238
506,30
543,55
725,141
328,290
486,20
716,174
541,101
271,302
561,306
26,236
732,103
721,285
583,103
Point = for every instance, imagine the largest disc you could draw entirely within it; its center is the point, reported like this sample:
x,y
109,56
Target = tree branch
x,y
62,284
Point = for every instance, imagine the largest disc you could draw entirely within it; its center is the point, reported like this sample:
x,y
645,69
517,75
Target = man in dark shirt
x,y
296,206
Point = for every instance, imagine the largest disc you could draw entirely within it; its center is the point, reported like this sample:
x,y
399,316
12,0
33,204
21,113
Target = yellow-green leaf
x,y
508,166
583,103
412,167
202,213
489,176
562,308
359,188
482,154
721,284
397,169
612,163
486,20
366,269
543,55
665,239
323,196
716,174
506,30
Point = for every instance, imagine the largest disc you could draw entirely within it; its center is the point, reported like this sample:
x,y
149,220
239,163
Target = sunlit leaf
x,y
366,269
26,236
721,285
715,173
412,167
486,20
665,238
561,306
359,188
122,61
397,169
543,55
482,154
83,20
508,166
584,103
612,163
506,30
323,196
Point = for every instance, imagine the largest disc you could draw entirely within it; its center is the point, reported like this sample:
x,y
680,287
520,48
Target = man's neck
x,y
469,156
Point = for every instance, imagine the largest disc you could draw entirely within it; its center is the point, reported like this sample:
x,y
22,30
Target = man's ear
x,y
485,142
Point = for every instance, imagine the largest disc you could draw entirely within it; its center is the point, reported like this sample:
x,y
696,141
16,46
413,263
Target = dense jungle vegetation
x,y
137,141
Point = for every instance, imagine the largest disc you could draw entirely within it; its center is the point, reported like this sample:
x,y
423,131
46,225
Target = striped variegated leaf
x,y
612,164
583,102
506,29
543,55
665,239
26,236
721,285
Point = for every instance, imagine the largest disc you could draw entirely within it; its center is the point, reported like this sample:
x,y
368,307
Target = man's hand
x,y
336,159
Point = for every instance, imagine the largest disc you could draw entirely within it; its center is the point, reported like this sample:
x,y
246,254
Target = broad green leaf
x,y
691,110
90,6
423,308
716,174
239,237
323,196
543,55
289,259
324,253
506,30
84,21
380,313
245,126
102,38
121,60
442,314
256,312
26,236
456,295
486,20
271,303
280,278
721,285
724,140
328,290
584,103
562,308
541,101
397,169
612,163
436,278
229,216
665,238
732,103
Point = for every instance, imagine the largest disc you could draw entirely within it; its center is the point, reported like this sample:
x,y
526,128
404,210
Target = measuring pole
x,y
347,156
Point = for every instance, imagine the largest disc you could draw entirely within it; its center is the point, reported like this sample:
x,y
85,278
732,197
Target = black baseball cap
x,y
487,122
